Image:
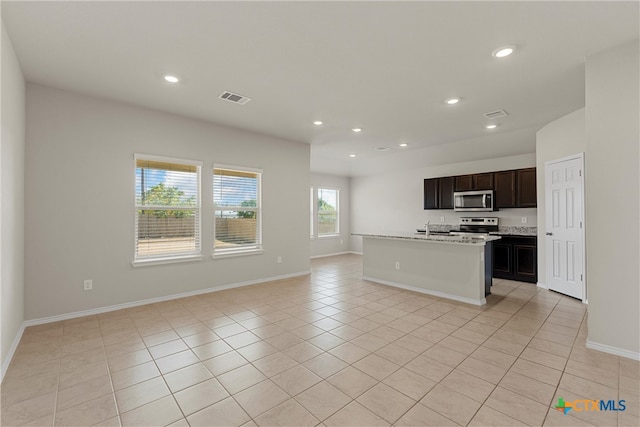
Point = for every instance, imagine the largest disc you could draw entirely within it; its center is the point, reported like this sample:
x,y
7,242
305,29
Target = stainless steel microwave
x,y
474,201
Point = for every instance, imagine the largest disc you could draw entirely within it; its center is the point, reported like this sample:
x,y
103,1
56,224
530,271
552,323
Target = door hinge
x,y
581,279
580,224
579,172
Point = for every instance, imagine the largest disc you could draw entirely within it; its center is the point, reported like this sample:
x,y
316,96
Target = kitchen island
x,y
453,267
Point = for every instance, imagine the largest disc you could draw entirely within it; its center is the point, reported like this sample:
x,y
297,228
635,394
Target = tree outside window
x,y
328,213
167,221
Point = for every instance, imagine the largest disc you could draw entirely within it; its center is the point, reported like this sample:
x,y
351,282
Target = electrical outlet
x,y
279,260
523,219
397,265
342,242
441,219
88,285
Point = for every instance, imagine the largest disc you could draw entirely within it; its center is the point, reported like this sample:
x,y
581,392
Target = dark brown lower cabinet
x,y
516,258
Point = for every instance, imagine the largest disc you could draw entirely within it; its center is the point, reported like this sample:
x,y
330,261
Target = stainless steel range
x,y
476,226
480,227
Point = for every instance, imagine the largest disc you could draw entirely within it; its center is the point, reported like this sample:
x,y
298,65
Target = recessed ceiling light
x,y
317,123
171,79
356,130
491,126
503,51
452,101
403,144
352,155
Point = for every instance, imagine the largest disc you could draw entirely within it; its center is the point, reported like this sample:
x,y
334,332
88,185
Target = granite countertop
x,y
437,238
503,230
515,230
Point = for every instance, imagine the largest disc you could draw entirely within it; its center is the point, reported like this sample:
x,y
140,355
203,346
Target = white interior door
x,y
564,240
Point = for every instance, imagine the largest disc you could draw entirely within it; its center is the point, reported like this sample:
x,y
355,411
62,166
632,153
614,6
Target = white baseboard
x,y
14,346
634,355
337,253
109,308
99,310
328,255
482,301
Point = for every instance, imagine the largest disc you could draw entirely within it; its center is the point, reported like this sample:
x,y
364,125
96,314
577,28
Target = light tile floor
x,y
328,349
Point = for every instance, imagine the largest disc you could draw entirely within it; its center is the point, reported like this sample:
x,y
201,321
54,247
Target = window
x,y
236,199
167,219
328,212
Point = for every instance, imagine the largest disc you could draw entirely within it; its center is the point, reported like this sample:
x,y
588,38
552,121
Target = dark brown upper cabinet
x,y
478,181
483,181
464,183
513,188
431,193
445,193
505,186
438,193
526,192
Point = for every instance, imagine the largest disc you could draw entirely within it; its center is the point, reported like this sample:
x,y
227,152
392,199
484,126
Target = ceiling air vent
x,y
383,148
234,97
496,114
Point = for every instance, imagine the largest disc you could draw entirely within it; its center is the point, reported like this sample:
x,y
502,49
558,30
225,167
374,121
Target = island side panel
x,y
449,270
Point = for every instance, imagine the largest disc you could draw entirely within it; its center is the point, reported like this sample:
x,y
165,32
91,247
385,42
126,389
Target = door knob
x,y
549,234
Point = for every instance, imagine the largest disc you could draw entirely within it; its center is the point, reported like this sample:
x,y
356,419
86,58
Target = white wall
x,y
80,194
560,138
491,145
394,201
324,246
612,199
12,93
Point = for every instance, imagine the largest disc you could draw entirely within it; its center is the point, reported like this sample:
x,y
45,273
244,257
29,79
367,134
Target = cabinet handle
x,y
549,234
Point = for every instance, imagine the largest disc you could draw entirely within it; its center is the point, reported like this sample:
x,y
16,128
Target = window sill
x,y
329,236
169,260
232,254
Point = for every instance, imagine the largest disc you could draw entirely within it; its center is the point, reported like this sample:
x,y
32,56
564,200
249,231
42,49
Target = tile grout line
x,y
516,357
310,293
55,404
584,316
106,361
405,334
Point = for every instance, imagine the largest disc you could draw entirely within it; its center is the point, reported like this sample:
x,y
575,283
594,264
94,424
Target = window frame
x,y
255,249
312,214
318,212
196,255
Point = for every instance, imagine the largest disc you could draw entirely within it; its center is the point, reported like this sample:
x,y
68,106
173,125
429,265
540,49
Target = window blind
x,y
236,198
167,220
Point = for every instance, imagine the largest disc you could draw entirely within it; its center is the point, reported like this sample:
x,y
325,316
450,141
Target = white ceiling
x,y
383,66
